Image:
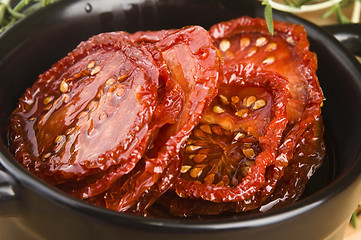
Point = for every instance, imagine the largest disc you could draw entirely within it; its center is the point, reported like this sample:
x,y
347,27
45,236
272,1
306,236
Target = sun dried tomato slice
x,y
169,104
150,36
308,155
71,122
195,66
307,158
125,117
247,40
148,197
236,109
222,161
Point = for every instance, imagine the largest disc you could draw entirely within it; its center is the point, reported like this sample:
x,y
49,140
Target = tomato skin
x,y
128,120
175,71
286,52
307,158
246,76
63,127
247,41
195,69
275,193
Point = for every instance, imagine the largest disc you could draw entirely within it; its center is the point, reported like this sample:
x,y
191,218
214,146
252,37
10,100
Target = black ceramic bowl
x,y
32,45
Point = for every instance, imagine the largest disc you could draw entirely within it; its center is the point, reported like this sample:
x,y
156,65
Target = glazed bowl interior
x,y
33,45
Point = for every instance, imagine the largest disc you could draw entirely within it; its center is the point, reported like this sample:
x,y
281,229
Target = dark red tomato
x,y
71,122
307,158
247,40
195,67
126,120
225,159
169,104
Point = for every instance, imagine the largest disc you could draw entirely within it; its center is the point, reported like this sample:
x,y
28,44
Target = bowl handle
x,y
349,35
9,195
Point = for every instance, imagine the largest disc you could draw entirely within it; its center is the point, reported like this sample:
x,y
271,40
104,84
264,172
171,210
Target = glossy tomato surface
x,y
70,22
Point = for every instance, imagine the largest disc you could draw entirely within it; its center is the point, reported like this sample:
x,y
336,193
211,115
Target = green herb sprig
x,y
301,6
355,215
12,11
354,219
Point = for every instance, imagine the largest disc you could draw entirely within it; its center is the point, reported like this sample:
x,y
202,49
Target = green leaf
x,y
2,13
354,219
14,13
329,12
293,3
34,7
341,17
21,5
7,25
303,2
9,15
269,17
